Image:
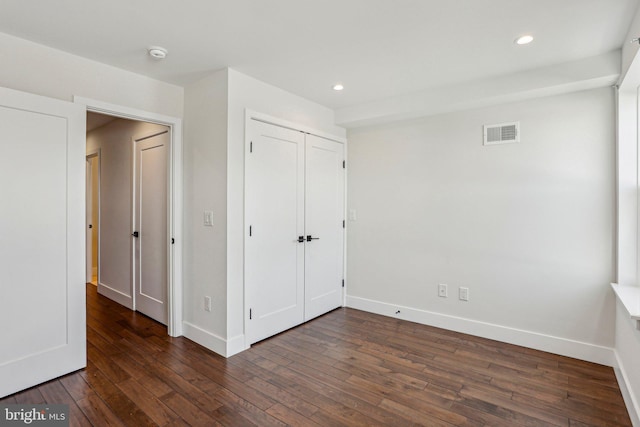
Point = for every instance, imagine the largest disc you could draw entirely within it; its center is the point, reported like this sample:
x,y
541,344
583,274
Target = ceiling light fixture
x,y
524,40
157,52
338,86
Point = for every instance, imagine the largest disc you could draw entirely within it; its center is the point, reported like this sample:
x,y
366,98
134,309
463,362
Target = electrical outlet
x,y
442,290
207,303
463,294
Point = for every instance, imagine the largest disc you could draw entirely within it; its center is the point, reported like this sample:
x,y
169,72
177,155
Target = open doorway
x,y
173,238
128,217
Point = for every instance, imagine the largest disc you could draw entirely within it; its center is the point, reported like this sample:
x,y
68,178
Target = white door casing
x,y
150,225
42,235
324,215
274,219
175,208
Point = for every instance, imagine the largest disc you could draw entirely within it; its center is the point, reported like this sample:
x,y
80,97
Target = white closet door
x,y
42,239
274,218
324,213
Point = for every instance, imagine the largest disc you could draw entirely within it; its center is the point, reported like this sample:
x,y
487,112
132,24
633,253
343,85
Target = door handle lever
x,y
135,234
309,238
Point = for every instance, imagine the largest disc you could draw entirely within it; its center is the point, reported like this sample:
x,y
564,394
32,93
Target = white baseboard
x,y
235,345
114,294
212,341
562,346
627,392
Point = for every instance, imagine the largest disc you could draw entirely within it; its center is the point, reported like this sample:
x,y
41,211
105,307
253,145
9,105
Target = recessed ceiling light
x,y
524,39
157,52
338,86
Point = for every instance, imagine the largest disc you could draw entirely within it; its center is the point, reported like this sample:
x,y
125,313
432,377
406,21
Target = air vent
x,y
504,133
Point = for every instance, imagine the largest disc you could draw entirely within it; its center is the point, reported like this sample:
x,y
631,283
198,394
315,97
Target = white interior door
x,y
42,239
324,215
151,238
95,217
274,219
88,221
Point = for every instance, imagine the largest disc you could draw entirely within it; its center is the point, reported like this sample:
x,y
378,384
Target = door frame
x,y
175,206
94,154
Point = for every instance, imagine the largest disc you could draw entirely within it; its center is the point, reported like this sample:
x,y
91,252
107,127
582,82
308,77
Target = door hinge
x,y
343,283
173,241
344,164
343,224
251,147
249,231
250,314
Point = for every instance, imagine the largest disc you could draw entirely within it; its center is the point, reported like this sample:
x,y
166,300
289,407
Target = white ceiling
x,y
377,48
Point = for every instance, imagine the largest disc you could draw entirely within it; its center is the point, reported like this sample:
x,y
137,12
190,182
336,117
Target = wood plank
x,y
189,412
345,368
55,393
97,412
32,395
147,402
289,416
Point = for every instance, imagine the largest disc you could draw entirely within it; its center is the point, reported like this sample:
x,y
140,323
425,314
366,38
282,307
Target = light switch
x,y
352,215
208,218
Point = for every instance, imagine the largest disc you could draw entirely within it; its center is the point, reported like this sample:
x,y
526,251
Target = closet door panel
x,y
274,218
324,213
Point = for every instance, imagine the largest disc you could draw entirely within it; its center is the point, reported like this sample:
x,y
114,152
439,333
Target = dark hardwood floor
x,y
347,368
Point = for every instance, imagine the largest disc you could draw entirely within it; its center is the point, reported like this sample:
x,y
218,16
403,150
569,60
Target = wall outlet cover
x,y
442,290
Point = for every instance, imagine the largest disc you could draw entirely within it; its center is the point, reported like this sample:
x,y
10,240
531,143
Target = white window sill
x,y
629,296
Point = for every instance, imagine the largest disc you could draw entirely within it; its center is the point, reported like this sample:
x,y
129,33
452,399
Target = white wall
x,y
114,140
627,350
630,50
527,227
205,184
38,69
214,180
627,337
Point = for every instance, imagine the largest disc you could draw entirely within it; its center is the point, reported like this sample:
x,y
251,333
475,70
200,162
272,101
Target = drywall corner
x,y
205,183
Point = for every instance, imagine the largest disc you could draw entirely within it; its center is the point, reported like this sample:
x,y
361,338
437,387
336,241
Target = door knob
x,y
309,238
300,239
135,234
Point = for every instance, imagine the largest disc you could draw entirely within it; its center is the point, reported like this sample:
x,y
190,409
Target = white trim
x,y
562,346
265,118
630,400
115,295
205,338
175,294
236,345
213,342
629,296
